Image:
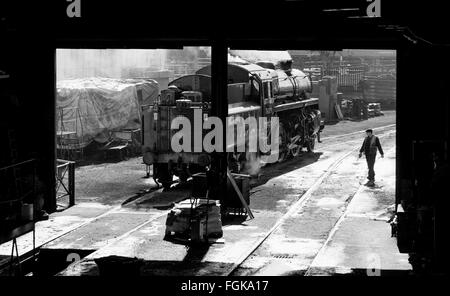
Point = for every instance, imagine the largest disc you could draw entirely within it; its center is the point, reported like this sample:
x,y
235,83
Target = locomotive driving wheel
x,y
311,144
296,151
283,143
297,139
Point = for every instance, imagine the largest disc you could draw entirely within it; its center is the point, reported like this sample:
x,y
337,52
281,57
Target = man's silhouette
x,y
370,146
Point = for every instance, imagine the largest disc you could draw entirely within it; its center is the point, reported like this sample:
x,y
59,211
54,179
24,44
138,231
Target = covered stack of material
x,y
98,106
179,219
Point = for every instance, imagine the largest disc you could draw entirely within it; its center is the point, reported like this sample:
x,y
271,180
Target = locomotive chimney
x,y
286,66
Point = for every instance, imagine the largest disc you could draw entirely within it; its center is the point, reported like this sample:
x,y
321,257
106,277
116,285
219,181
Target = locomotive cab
x,y
186,96
246,85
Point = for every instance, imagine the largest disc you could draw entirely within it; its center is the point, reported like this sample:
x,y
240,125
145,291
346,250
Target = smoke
x,y
254,56
236,60
253,166
113,63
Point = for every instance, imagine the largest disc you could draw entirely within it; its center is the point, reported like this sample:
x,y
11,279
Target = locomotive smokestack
x,y
286,66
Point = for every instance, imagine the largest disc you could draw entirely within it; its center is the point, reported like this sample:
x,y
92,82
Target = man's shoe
x,y
370,183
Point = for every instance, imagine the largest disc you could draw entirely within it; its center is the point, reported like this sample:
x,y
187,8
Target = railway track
x,y
356,142
342,140
297,206
338,140
330,236
359,133
28,258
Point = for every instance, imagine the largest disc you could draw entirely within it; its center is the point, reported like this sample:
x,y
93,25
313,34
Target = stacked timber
x,y
380,90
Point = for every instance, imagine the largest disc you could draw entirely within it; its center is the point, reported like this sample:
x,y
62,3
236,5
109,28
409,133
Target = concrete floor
x,y
301,244
111,183
340,229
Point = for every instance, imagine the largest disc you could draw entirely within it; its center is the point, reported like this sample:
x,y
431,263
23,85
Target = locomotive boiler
x,y
254,90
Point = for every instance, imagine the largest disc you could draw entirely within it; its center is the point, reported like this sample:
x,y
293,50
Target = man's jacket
x,y
370,146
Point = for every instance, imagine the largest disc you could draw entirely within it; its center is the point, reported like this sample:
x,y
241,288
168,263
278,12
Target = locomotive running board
x,y
296,105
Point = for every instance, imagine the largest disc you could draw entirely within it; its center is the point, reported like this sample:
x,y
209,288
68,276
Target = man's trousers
x,y
370,158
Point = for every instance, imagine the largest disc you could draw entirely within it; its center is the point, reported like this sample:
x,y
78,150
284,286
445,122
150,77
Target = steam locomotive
x,y
256,90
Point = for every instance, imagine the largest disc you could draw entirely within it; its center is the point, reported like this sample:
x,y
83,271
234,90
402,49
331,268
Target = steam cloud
x,y
111,63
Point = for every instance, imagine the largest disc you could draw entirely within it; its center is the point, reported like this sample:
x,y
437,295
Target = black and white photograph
x,y
224,147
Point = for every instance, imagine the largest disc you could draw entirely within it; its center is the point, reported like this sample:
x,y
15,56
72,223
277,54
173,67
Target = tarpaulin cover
x,y
93,107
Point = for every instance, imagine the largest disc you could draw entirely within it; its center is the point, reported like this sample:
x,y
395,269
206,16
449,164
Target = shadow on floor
x,y
234,220
274,170
191,265
360,272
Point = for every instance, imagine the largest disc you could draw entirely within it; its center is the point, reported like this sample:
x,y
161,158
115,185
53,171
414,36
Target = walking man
x,y
370,146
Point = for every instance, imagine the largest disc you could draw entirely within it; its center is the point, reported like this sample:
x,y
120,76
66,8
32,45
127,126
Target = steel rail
x,y
294,208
